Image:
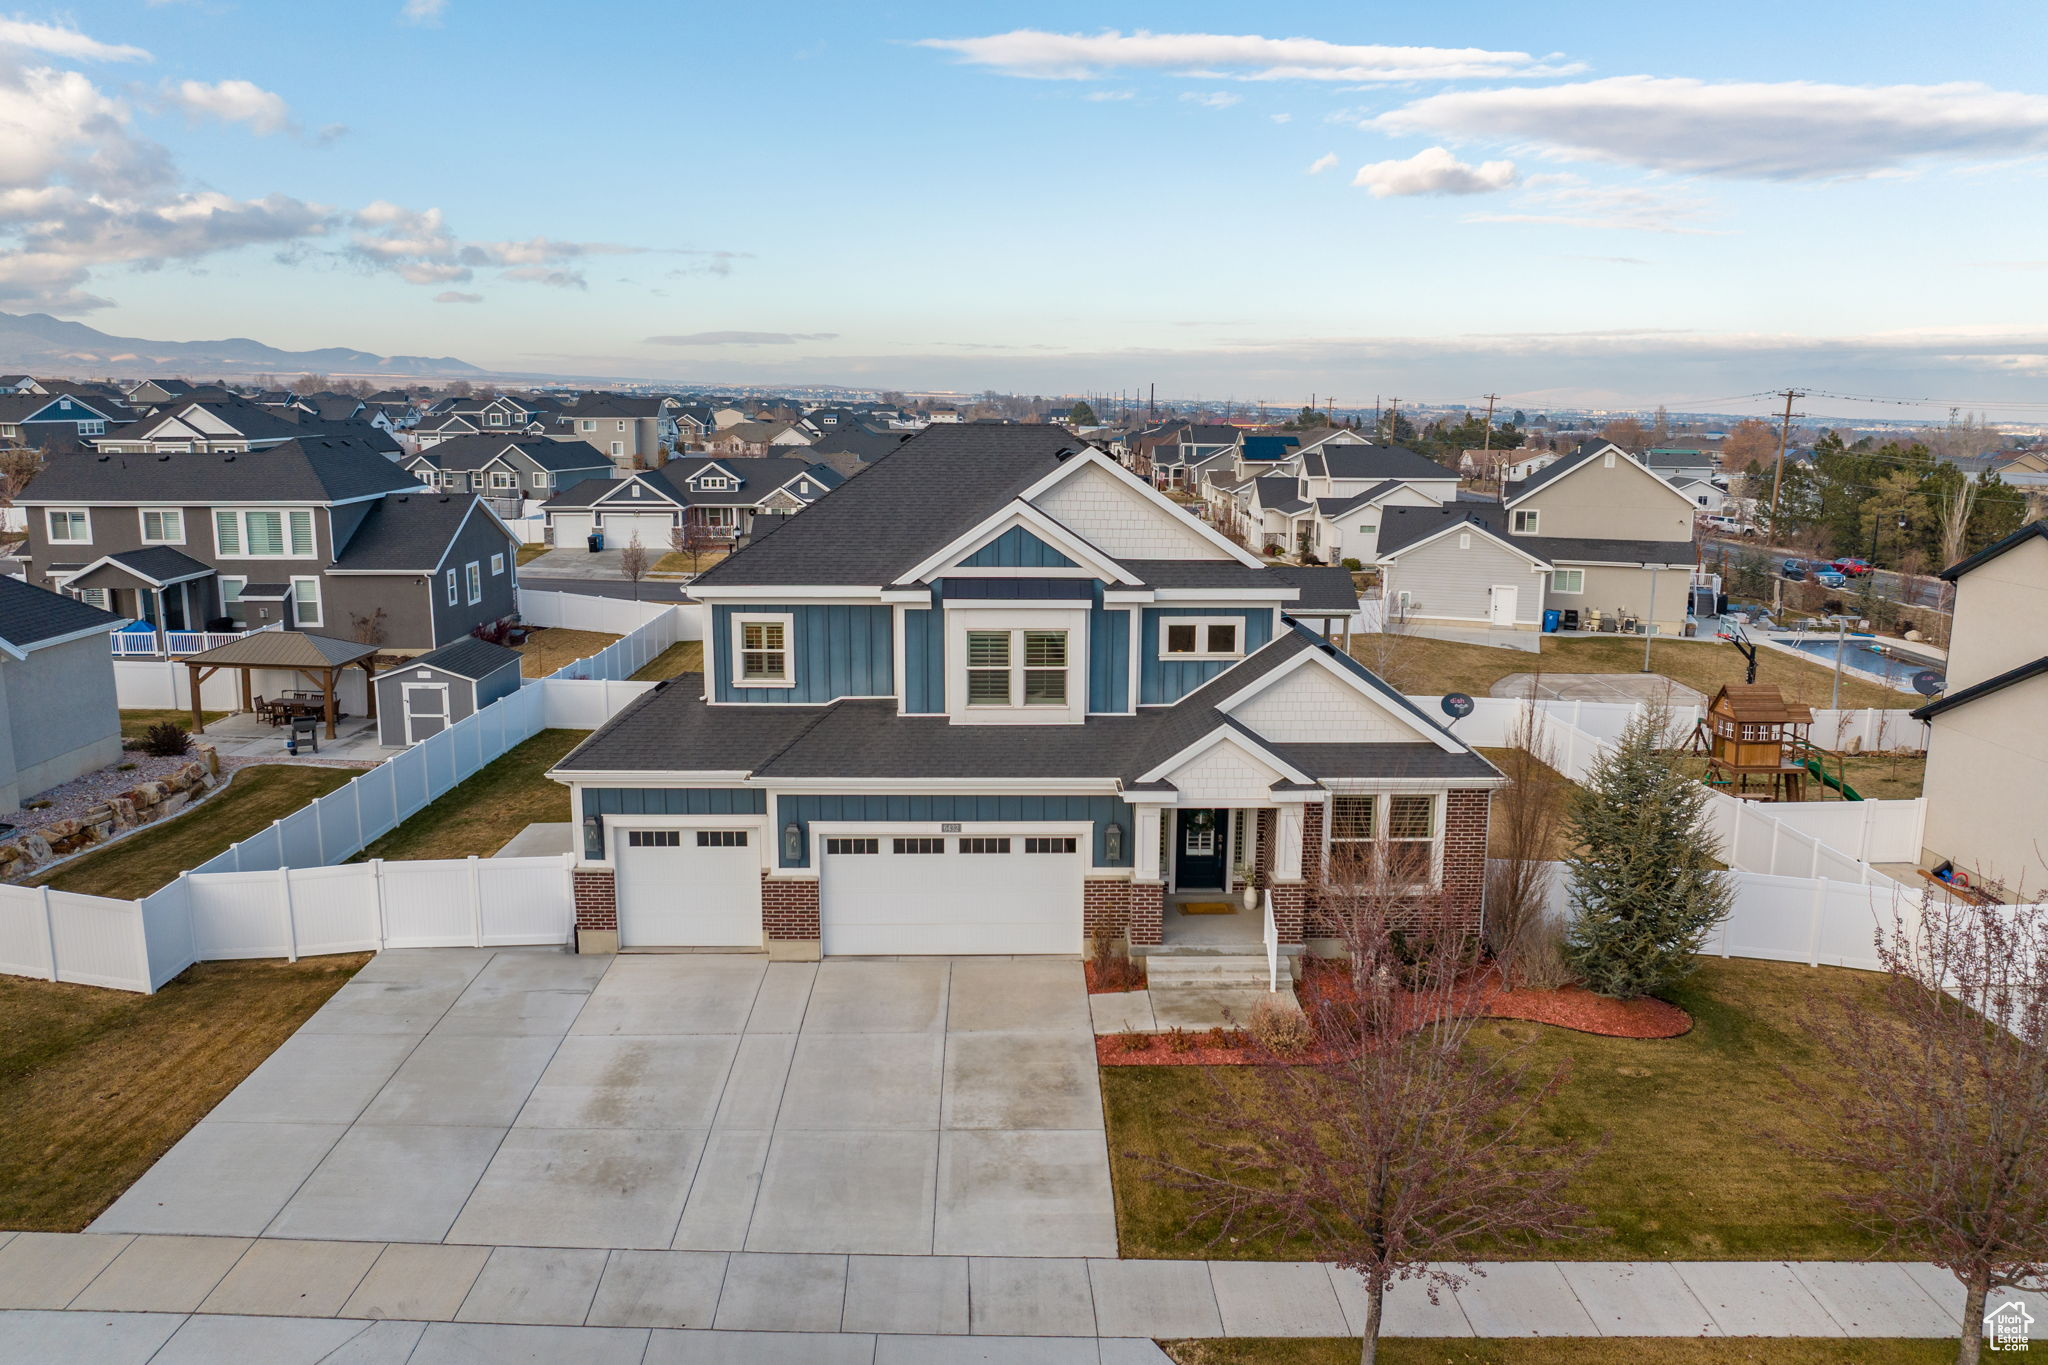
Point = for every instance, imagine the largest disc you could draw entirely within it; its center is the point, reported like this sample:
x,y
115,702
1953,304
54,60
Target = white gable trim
x,y
1092,456
1094,563
653,494
200,572
1540,565
1314,658
1227,734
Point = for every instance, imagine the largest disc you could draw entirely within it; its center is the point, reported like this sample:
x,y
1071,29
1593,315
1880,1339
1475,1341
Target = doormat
x,y
1208,908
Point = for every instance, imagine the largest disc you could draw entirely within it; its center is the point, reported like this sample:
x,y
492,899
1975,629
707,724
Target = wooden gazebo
x,y
1756,743
319,659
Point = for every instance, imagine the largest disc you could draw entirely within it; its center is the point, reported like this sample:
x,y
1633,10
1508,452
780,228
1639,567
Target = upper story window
x,y
164,526
1017,668
263,534
761,651
586,425
1526,521
622,426
69,527
91,428
497,419
714,481
473,574
504,479
1200,638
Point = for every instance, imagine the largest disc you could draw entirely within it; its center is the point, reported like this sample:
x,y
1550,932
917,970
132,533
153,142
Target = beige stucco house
x,y
1987,748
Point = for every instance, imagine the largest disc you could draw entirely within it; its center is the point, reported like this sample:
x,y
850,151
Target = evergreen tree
x,y
1645,892
1081,415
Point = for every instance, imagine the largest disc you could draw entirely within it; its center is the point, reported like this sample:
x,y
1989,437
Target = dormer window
x,y
1526,521
761,651
637,490
714,481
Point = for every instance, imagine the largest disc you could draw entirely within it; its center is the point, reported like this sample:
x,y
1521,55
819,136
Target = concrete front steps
x,y
1199,986
1211,970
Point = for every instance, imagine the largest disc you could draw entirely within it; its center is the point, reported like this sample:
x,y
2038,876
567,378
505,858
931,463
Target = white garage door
x,y
621,527
571,529
995,893
688,888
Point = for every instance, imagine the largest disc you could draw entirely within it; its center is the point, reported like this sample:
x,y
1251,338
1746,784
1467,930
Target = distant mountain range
x,y
36,343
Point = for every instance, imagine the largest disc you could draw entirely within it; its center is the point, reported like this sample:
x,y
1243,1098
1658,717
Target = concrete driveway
x,y
686,1101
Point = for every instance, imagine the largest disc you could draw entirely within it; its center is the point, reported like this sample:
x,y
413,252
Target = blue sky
x,y
1600,203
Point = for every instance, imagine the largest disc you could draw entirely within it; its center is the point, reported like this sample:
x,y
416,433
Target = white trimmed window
x,y
618,447
231,596
306,601
260,534
503,479
473,573
1004,666
69,527
1568,580
452,590
761,651
1525,522
540,480
1398,832
497,565
1201,637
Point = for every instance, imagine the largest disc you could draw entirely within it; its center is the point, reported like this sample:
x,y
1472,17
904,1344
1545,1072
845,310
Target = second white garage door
x,y
652,528
999,893
688,888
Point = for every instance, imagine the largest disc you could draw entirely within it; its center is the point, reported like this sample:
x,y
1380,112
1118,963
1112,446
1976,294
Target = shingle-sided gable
x,y
1121,521
1310,705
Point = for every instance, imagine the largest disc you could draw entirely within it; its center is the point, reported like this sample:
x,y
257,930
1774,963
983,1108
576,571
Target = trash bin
x,y
595,541
1551,617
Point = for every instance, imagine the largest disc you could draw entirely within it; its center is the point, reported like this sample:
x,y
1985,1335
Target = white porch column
x,y
1287,844
1145,859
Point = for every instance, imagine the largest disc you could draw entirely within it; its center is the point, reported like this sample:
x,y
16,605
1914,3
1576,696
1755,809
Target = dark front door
x,y
1198,850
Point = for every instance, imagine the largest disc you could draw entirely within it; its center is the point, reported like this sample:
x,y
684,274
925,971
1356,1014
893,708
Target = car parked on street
x,y
1800,570
1853,568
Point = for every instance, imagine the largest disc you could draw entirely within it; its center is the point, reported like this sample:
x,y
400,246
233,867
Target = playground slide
x,y
1827,779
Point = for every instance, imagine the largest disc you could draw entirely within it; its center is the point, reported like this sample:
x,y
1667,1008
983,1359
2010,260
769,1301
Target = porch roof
x,y
152,566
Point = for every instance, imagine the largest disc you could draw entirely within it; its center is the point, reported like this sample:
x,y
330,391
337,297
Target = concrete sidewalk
x,y
874,1301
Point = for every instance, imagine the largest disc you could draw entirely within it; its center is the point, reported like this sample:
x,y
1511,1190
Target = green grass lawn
x,y
1694,1167
97,1084
483,813
146,860
684,656
1576,1351
1416,664
134,723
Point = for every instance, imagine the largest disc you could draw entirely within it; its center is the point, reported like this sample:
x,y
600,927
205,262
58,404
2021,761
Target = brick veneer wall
x,y
597,901
1465,818
1105,909
1290,906
1148,910
789,908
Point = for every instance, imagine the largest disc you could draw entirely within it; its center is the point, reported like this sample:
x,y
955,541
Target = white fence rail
x,y
173,642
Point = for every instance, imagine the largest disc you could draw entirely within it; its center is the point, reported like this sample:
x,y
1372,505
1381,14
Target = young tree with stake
x,y
633,563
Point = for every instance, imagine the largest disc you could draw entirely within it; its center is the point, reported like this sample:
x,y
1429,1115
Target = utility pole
x,y
1486,457
1778,485
1393,420
1152,409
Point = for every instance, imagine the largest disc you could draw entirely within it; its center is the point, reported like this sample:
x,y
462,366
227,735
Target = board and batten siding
x,y
905,808
838,651
1446,583
1109,659
924,662
674,801
1162,681
1016,548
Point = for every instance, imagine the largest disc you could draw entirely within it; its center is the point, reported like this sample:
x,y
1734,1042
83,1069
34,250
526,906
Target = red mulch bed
x,y
1571,1007
1114,977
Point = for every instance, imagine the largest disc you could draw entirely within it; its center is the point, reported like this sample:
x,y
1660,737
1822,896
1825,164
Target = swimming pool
x,y
1860,654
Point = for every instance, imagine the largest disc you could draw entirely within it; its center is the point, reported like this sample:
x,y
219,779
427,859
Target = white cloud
x,y
741,338
1214,99
1566,200
23,36
1433,170
1326,162
552,277
1787,130
419,246
231,101
1281,118
426,13
457,296
1105,96
1078,56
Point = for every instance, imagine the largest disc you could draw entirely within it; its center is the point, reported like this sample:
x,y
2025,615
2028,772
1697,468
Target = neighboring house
x,y
331,407
1552,544
431,430
1987,751
321,534
1679,463
858,443
60,420
201,426
432,691
633,432
1326,501
59,716
848,775
151,393
510,471
20,383
694,425
1706,495
942,416
724,494
1178,461
757,438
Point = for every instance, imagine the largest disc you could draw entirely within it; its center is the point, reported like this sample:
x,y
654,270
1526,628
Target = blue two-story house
x,y
996,694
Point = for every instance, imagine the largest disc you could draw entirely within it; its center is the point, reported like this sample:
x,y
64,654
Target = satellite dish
x,y
1457,705
1928,682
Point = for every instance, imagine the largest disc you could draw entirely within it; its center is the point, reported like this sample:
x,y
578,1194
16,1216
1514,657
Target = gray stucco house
x,y
58,711
322,534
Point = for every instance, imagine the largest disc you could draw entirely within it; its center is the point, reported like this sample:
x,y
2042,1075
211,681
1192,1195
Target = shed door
x,y
426,710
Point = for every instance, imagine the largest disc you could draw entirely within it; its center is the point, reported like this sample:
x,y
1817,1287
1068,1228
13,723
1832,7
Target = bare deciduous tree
x,y
633,562
694,539
1937,1114
1528,816
1401,1147
17,466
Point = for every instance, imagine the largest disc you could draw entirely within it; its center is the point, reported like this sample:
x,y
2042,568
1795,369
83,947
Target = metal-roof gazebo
x,y
319,659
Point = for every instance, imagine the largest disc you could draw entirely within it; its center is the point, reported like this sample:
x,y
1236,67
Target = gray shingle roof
x,y
1348,461
1385,760
30,615
284,649
471,453
468,657
160,563
407,533
312,469
1401,527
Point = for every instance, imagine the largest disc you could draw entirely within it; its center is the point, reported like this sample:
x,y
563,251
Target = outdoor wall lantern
x,y
593,837
1113,843
792,842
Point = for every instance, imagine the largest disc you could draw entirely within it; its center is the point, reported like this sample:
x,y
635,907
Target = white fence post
x,y
291,928
49,932
476,900
1820,905
383,915
142,945
569,888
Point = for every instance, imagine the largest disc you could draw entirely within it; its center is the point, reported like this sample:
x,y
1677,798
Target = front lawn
x,y
482,814
151,857
98,1084
1569,1351
684,656
134,724
675,561
1417,664
548,648
1694,1167
528,553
